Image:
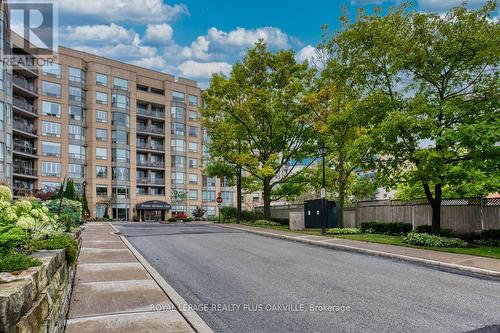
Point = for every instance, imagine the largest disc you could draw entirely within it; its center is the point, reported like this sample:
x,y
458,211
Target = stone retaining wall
x,y
37,299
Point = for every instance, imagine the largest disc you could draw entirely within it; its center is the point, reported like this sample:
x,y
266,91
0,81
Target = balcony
x,y
151,113
24,128
153,164
151,181
24,149
21,170
150,129
24,106
25,87
146,146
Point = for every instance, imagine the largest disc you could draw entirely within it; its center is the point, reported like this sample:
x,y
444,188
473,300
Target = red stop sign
x,y
219,200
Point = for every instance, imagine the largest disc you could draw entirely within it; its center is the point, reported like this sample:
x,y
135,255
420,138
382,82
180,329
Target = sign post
x,y
219,201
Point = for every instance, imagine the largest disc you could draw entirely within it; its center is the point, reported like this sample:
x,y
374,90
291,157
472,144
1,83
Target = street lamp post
x,y
324,220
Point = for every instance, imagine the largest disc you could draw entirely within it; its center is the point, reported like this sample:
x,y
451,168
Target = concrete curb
x,y
427,262
182,306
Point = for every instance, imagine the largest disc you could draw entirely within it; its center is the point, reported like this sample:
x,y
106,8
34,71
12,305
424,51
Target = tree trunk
x,y
435,203
238,196
436,209
267,197
340,206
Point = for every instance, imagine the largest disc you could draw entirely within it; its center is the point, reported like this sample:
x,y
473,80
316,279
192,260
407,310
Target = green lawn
x,y
475,250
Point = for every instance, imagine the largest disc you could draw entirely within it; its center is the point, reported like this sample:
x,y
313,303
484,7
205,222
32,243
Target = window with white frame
x,y
51,129
101,116
193,179
192,147
51,89
51,109
76,152
51,149
101,134
178,145
193,194
76,132
76,171
51,169
101,153
193,163
101,97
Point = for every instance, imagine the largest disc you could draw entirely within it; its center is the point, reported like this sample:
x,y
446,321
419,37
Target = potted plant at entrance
x,y
198,213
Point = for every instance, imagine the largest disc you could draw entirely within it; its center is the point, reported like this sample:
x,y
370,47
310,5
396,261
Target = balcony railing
x,y
159,164
151,129
21,104
28,128
24,149
153,181
151,113
24,83
24,170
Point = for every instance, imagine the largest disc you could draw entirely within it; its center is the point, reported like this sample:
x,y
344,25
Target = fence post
x,y
356,214
413,216
481,212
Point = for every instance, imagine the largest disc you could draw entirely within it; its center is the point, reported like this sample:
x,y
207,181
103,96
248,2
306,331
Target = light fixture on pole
x,y
323,192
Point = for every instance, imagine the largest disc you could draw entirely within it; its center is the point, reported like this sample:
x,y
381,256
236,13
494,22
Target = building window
x,y
101,171
178,145
120,101
178,129
50,186
121,174
193,163
178,162
178,112
101,98
101,134
51,89
193,194
227,196
208,196
120,137
193,147
208,181
101,153
75,113
51,109
101,190
52,69
120,192
101,116
51,129
193,100
76,171
178,178
76,94
120,118
210,210
51,169
193,179
178,97
76,75
101,79
193,115
193,131
119,83
51,149
76,152
76,132
121,155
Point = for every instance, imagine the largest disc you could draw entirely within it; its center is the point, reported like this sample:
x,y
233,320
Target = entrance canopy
x,y
154,205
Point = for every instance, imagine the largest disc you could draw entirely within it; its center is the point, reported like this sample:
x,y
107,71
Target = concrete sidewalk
x,y
113,292
462,262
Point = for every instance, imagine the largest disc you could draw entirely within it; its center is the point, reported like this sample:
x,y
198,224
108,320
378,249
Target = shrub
x,y
265,222
72,207
343,231
281,221
427,229
248,215
422,239
11,237
198,212
490,234
172,219
66,242
227,213
385,228
14,261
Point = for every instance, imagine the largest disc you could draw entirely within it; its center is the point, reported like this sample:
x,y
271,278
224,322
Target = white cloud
x,y
156,63
241,37
98,34
442,5
123,52
158,34
198,49
150,11
306,53
199,70
366,2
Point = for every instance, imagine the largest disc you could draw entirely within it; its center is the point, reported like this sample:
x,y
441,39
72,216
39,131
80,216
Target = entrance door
x,y
152,215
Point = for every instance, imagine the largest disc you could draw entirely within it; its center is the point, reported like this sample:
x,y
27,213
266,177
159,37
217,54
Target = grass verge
x,y
474,250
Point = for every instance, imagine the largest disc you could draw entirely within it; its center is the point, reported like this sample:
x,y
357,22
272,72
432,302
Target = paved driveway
x,y
241,282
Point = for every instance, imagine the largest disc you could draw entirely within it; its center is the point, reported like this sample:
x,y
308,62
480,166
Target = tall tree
x,y
436,80
260,102
335,105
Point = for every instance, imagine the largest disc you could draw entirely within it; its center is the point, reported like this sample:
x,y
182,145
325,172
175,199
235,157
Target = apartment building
x,y
5,100
129,137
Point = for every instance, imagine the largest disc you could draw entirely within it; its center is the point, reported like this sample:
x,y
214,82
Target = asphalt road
x,y
241,282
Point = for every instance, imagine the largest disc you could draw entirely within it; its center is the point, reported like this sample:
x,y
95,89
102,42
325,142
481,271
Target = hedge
x,y
427,229
421,239
385,228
